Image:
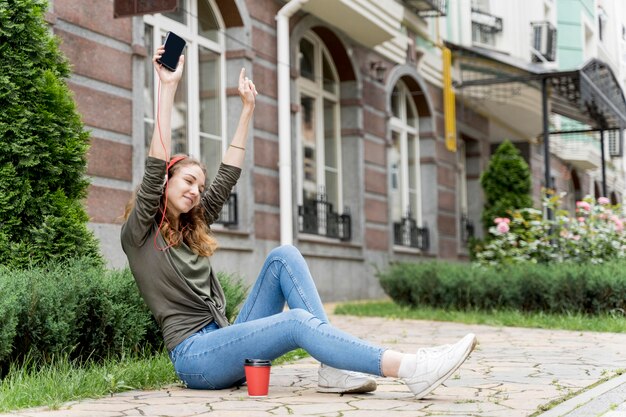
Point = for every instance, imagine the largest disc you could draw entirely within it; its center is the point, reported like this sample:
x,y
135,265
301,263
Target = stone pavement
x,y
512,373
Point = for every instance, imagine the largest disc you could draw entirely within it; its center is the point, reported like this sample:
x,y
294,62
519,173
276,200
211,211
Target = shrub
x,y
80,309
43,145
595,235
235,292
560,288
506,183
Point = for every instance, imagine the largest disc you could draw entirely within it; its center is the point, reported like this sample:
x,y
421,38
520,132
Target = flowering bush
x,y
595,234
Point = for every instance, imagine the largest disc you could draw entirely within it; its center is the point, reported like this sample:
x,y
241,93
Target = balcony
x,y
580,150
485,26
427,8
316,216
406,233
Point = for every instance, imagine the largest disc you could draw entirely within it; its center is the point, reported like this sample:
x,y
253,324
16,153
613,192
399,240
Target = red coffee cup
x,y
257,376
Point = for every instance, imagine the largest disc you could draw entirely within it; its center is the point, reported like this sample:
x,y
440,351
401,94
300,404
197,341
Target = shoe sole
x,y
362,389
428,390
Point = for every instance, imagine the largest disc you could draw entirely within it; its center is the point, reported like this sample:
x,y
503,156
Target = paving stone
x,y
511,373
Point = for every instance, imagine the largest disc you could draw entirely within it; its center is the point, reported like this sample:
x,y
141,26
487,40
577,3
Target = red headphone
x,y
173,161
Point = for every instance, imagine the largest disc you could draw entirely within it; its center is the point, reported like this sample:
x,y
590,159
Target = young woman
x,y
167,240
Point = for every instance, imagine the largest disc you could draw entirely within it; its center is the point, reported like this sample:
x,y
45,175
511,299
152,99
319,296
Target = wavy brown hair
x,y
192,226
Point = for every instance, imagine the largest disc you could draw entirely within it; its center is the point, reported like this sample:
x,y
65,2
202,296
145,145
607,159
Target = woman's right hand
x,y
166,76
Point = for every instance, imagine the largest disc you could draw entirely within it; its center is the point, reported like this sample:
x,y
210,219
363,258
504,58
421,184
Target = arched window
x,y
404,168
198,116
318,127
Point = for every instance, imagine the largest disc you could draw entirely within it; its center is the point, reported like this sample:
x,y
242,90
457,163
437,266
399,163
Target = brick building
x,y
352,167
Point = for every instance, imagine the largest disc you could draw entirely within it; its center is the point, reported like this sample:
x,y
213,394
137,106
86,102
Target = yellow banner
x,y
449,111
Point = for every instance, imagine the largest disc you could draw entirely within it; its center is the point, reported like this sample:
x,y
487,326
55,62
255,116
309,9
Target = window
x,y
602,24
319,151
404,169
198,115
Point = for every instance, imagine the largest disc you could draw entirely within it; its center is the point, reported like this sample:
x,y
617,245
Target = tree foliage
x,y
506,183
43,145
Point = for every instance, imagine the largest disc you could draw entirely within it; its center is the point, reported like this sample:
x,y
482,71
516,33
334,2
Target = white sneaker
x,y
342,382
435,365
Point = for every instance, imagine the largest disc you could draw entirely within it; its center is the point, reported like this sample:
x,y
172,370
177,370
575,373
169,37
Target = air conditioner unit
x,y
615,143
544,41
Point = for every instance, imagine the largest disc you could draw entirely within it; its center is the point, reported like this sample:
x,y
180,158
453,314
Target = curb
x,y
589,397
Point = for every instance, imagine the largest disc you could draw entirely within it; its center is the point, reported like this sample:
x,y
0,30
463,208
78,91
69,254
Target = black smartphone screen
x,y
174,45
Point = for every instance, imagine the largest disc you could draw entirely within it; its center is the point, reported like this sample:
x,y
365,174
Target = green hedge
x,y
80,309
557,288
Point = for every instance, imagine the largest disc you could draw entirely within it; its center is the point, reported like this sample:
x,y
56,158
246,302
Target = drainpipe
x,y
284,119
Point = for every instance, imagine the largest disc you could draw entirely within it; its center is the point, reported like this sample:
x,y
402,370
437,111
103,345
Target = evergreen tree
x,y
506,183
43,145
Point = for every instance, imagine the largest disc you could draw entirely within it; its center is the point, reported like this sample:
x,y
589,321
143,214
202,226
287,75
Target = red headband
x,y
174,160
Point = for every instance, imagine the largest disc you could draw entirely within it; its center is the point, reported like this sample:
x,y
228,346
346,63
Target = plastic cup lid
x,y
258,362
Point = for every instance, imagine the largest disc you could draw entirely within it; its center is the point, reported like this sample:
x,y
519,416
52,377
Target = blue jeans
x,y
213,357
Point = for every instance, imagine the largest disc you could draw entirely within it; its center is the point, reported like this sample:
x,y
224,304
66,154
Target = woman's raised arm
x,y
160,146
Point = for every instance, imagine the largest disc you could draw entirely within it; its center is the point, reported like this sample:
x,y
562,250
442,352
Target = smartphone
x,y
174,46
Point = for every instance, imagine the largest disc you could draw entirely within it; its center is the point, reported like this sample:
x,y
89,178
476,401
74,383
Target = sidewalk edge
x,y
573,403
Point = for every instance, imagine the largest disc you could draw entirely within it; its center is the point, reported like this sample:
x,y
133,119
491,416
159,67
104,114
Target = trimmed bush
x,y
43,145
80,309
562,288
506,183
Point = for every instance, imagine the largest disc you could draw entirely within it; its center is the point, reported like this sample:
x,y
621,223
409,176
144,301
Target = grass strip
x,y
613,322
61,380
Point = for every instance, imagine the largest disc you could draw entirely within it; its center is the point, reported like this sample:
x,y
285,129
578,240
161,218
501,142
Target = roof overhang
x,y
590,94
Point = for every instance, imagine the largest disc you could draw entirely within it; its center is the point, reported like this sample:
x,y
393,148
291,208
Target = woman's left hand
x,y
247,90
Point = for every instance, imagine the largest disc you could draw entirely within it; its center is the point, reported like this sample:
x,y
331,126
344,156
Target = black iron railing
x,y
467,229
316,216
427,8
485,26
406,233
228,215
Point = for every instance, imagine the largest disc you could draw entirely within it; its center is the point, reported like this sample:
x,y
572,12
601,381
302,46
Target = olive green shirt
x,y
179,286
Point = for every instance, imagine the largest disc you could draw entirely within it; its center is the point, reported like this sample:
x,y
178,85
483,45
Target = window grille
x,y
467,229
406,233
316,216
228,215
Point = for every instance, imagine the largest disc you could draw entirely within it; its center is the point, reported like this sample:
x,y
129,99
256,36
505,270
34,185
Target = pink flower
x,y
583,205
499,220
603,201
619,225
581,219
576,237
502,227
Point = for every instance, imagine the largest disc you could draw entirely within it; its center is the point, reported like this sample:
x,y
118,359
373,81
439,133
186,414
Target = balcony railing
x,y
316,216
427,8
485,26
406,233
580,150
467,229
228,215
